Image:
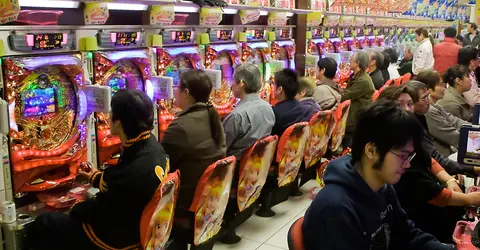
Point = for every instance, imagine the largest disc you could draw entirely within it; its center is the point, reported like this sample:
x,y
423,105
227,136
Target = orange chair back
x,y
378,92
340,116
321,128
291,148
254,167
295,235
406,78
211,198
157,217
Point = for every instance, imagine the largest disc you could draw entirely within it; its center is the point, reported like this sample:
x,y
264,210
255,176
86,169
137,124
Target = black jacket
x,y
113,217
288,112
475,42
377,79
452,167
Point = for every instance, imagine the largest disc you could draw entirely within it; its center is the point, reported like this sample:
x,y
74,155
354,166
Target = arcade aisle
x,y
271,233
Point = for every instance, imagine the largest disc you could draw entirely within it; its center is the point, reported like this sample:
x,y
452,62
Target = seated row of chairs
x,y
392,82
229,190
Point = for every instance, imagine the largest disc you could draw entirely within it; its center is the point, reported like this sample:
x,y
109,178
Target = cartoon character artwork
x,y
254,171
294,147
321,128
157,218
341,114
211,199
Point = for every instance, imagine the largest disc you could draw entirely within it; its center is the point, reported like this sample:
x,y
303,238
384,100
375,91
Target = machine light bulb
x,y
89,55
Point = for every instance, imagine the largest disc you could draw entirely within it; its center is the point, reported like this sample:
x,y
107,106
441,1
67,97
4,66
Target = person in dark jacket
x,y
358,208
375,63
196,138
385,65
406,64
472,38
112,219
421,106
288,110
305,94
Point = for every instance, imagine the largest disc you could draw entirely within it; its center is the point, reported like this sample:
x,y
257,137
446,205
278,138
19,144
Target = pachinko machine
x,y
223,54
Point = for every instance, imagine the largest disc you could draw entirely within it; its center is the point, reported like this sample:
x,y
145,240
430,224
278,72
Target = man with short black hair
x,y
252,118
472,38
327,93
446,52
358,208
375,63
288,110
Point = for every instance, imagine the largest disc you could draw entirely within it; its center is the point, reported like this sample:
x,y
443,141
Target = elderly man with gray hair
x,y
405,65
359,91
252,118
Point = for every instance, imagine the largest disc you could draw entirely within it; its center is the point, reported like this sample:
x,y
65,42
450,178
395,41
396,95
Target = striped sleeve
x,y
94,179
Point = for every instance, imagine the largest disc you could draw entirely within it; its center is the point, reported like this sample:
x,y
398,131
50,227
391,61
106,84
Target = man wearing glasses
x,y
358,209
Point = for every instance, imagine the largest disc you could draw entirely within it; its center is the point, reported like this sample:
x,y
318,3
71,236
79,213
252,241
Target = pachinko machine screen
x,y
47,110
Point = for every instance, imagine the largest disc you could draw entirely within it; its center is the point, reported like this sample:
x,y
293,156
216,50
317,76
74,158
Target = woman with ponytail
x,y
423,57
195,139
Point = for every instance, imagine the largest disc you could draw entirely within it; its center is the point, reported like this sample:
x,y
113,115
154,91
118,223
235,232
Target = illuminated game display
x,y
284,48
177,55
256,51
126,69
225,57
314,52
47,110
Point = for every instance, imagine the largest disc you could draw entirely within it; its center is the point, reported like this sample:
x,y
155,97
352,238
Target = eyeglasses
x,y
409,158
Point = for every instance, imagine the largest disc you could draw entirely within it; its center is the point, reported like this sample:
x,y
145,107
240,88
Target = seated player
x,y
392,68
454,101
195,139
406,64
358,209
306,89
375,63
359,90
384,67
421,104
288,110
327,93
426,191
252,118
443,126
112,219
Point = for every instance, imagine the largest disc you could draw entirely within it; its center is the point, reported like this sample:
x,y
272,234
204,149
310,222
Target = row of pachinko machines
x,y
56,86
340,43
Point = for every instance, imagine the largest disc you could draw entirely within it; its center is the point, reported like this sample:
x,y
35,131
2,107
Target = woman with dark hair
x,y
392,68
385,65
112,219
468,57
443,126
454,102
196,138
423,57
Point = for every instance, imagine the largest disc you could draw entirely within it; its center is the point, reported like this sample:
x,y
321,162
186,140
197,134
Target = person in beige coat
x,y
454,102
327,93
443,126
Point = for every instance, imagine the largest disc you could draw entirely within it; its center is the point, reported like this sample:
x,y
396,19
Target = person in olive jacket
x,y
112,219
359,89
196,138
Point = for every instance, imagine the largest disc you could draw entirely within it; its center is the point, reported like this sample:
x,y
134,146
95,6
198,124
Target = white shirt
x,y
423,57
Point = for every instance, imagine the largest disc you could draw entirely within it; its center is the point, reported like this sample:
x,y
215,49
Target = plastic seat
x,y
406,78
295,235
157,217
204,219
284,171
340,116
321,129
252,176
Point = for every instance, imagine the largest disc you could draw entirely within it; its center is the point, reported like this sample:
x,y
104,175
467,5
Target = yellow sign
x,y
210,16
96,13
314,19
162,14
277,18
9,11
248,16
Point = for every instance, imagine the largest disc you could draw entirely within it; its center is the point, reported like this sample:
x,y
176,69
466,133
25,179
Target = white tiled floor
x,y
271,233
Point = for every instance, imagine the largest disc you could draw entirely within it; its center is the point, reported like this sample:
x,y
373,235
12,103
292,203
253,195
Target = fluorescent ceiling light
x,y
186,9
289,14
263,13
127,6
49,4
230,11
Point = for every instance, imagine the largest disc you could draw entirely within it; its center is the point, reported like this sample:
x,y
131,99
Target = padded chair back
x,y
290,150
340,116
211,198
406,78
378,92
157,217
321,128
254,167
295,235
